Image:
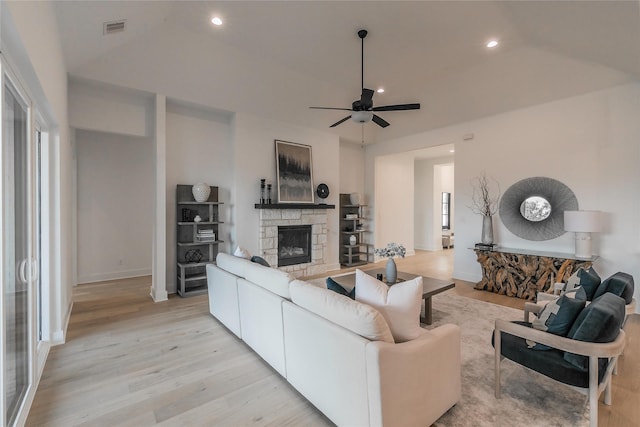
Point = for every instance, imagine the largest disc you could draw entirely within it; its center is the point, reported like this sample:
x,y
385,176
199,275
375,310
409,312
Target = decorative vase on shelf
x,y
487,230
354,198
352,240
201,192
392,271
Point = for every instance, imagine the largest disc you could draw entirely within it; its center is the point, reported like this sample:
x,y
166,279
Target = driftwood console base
x,y
522,274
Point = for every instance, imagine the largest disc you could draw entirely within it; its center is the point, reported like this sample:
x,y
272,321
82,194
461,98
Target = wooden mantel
x,y
293,206
523,273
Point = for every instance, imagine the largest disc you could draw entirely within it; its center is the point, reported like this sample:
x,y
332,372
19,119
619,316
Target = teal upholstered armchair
x,y
570,344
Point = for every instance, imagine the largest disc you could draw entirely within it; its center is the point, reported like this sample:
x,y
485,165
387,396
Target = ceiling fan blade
x,y
340,121
366,98
331,108
399,107
380,121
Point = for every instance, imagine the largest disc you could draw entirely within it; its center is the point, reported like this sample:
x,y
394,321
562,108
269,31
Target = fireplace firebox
x,y
294,244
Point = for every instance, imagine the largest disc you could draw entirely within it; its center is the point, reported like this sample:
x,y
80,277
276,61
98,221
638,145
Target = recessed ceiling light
x,y
492,44
216,20
380,90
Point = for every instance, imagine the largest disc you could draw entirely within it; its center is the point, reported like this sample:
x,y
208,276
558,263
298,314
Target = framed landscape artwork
x,y
294,172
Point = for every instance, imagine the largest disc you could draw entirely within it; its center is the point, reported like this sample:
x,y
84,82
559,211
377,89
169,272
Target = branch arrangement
x,y
483,202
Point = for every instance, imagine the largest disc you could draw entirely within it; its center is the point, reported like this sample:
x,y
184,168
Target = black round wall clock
x,y
322,191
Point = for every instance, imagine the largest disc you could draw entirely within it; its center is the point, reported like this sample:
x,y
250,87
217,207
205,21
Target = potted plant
x,y
484,201
390,251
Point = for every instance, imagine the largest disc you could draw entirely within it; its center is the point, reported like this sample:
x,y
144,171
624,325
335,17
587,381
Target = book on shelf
x,y
486,246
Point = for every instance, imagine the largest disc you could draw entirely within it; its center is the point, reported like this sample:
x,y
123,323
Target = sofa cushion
x,y
557,317
334,286
600,321
232,264
586,281
400,304
620,284
360,319
271,279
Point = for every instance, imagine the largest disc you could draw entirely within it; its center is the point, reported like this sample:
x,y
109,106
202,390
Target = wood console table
x,y
522,273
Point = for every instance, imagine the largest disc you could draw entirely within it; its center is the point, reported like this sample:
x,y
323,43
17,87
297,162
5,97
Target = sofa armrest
x,y
415,382
583,348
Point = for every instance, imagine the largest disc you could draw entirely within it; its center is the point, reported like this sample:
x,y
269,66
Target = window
x,y
446,211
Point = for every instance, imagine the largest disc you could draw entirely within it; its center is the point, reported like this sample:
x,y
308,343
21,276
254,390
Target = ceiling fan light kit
x,y
362,116
362,109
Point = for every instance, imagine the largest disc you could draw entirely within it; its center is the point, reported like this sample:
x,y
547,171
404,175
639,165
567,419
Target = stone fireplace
x,y
274,221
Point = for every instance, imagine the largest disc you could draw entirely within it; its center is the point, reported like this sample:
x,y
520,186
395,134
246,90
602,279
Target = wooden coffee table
x,y
430,287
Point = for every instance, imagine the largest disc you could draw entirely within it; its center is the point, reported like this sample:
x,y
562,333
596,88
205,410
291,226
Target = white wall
x,y
115,203
199,149
107,108
351,169
588,142
393,209
254,158
431,178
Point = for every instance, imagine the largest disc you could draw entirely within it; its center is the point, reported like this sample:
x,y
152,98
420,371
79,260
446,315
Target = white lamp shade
x,y
362,116
582,221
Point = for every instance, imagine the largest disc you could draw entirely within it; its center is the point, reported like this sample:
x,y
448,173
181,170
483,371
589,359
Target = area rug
x,y
527,399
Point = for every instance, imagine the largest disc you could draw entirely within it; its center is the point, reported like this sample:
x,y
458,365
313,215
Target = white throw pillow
x,y
242,253
400,304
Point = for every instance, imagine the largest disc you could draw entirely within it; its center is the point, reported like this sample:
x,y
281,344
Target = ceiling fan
x,y
362,109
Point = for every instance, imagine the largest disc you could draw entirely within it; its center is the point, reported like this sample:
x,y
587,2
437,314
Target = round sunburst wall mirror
x,y
533,208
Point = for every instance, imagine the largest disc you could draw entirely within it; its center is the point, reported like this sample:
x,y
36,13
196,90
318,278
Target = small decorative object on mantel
x,y
391,250
201,192
322,190
484,201
268,194
262,189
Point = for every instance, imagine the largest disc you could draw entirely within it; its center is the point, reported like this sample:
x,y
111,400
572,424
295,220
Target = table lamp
x,y
583,223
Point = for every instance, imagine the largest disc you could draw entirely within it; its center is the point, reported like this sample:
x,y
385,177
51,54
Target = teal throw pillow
x,y
620,284
336,287
600,321
556,317
586,281
260,260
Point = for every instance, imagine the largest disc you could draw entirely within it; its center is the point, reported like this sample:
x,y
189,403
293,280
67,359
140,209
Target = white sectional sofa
x,y
337,352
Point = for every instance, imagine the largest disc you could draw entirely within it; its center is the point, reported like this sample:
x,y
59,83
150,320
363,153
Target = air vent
x,y
113,27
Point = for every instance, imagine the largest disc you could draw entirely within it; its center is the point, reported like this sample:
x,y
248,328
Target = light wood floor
x,y
131,362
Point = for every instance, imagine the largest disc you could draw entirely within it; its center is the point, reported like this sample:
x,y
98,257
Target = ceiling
x,y
432,52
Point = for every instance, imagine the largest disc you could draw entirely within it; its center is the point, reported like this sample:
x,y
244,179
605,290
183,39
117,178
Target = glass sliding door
x,y
17,263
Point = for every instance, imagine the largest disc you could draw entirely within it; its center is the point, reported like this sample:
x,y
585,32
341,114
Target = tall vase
x,y
487,230
392,271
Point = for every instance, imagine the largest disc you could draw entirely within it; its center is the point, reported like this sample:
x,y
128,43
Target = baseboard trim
x,y
101,277
466,276
158,296
59,337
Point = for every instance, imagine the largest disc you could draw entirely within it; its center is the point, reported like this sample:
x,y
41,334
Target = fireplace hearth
x,y
294,244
